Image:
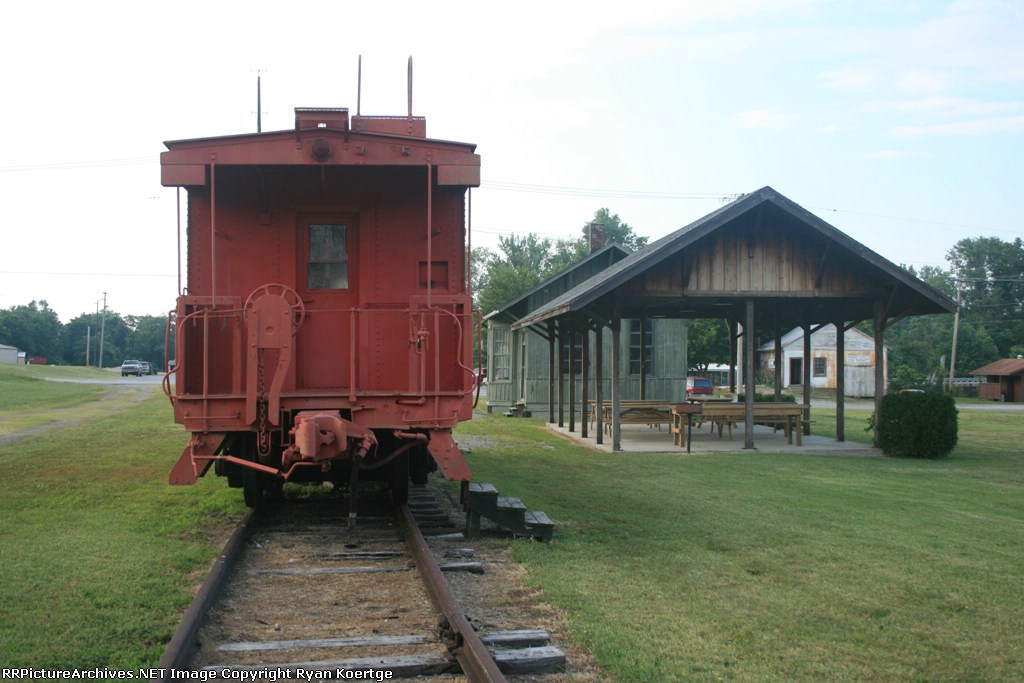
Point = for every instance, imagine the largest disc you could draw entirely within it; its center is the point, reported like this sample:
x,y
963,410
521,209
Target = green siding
x,y
667,379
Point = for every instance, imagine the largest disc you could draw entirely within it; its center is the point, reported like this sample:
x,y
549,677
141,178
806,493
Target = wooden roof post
x,y
584,399
599,383
551,371
561,375
733,352
572,379
616,329
806,379
749,374
879,330
840,380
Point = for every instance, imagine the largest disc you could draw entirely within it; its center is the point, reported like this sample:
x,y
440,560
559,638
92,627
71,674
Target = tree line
x,y
35,329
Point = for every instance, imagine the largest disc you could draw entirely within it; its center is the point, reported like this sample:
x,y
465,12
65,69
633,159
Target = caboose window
x,y
328,256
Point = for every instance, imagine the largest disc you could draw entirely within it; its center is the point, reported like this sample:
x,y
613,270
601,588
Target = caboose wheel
x,y
252,487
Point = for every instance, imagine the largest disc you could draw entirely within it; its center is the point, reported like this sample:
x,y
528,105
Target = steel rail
x,y
473,656
181,649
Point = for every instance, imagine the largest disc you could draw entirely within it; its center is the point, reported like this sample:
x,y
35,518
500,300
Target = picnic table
x,y
788,416
650,413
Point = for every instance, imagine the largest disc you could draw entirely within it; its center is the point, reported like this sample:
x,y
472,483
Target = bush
x,y
918,425
767,398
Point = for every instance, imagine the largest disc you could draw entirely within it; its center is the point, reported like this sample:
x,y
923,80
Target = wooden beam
x,y
572,379
840,381
585,387
599,381
551,371
749,374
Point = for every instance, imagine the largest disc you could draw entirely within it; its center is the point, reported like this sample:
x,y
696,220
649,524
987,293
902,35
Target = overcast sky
x,y
899,122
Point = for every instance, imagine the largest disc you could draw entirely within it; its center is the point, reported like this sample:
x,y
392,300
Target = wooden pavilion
x,y
764,264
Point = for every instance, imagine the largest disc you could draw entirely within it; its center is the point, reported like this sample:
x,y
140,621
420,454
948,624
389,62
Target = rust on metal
x,y
473,656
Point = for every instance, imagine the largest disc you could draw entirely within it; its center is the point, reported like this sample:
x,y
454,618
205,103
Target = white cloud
x,y
947,106
893,154
761,118
1006,124
830,128
849,78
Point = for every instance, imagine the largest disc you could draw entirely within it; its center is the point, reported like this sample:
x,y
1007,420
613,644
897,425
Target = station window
x,y
820,367
577,359
500,355
328,256
635,339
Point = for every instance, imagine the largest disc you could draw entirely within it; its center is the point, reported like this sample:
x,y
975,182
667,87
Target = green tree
x,y
520,263
570,251
115,338
990,273
708,343
146,339
34,328
82,335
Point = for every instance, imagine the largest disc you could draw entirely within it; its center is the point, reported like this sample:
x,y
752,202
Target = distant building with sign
x,y
859,352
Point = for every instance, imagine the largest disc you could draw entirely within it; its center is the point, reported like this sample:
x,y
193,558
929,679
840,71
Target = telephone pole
x,y
103,325
956,329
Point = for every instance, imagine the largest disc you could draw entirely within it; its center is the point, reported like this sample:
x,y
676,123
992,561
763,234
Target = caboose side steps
x,y
509,513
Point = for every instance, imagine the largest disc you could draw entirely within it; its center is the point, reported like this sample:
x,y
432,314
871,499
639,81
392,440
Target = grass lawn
x,y
98,555
761,567
668,567
27,400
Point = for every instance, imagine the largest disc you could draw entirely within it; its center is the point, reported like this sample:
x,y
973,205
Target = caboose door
x,y
327,279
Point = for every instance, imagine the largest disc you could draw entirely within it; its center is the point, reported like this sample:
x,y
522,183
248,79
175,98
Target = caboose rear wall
x,y
260,215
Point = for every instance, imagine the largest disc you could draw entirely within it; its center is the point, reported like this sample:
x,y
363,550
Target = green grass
x,y
98,554
761,567
28,400
747,567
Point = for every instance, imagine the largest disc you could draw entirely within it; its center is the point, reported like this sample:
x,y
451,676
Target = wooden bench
x,y
788,416
650,413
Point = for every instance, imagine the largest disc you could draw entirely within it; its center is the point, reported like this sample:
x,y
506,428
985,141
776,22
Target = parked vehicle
x,y
699,386
131,367
144,368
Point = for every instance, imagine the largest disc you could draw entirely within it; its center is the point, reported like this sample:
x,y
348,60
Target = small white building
x,y
859,352
8,355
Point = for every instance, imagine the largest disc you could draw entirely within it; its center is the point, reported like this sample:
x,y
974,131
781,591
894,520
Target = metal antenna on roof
x,y
259,101
359,85
410,86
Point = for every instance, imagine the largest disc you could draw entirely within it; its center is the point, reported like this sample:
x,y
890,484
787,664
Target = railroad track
x,y
295,595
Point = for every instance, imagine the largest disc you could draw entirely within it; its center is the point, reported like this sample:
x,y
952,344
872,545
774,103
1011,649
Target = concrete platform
x,y
644,439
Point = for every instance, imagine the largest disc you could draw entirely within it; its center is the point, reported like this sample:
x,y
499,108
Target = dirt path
x,y
121,396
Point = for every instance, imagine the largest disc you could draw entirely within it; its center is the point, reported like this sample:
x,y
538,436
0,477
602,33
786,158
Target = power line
x,y
594,192
74,165
31,272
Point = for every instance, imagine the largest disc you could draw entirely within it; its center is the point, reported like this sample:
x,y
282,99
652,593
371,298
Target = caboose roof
x,y
325,137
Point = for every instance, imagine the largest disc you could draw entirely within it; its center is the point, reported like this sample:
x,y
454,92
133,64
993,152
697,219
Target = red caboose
x,y
326,329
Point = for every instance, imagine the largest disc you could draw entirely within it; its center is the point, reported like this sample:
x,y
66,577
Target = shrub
x,y
767,398
918,425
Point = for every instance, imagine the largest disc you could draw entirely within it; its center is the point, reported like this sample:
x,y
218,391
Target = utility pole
x,y
956,329
88,340
103,325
